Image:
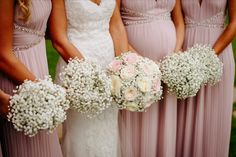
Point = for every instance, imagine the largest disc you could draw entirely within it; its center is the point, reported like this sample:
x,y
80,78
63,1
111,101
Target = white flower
x,y
116,85
88,87
131,106
38,106
184,73
144,84
128,72
212,67
130,93
136,82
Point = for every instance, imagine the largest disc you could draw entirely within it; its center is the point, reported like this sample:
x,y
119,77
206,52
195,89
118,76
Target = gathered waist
x,y
215,21
26,38
132,17
87,35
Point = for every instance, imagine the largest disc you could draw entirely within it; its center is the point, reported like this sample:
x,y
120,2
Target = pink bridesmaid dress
x,y
152,34
29,47
204,121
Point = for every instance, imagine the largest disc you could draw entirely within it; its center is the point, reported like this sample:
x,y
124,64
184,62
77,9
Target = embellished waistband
x,y
132,17
39,36
216,21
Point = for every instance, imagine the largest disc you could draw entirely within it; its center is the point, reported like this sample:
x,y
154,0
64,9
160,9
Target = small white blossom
x,y
38,106
211,64
184,73
88,87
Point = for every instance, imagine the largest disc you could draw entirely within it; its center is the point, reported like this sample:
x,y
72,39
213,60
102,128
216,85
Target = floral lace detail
x,y
88,30
103,142
87,16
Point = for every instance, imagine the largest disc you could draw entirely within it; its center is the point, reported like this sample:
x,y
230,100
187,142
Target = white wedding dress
x,y
88,30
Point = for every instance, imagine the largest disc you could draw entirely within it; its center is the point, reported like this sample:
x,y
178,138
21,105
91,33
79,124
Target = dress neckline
x,y
97,4
200,2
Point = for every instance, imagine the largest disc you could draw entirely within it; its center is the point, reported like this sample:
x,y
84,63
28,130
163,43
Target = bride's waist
x,y
88,33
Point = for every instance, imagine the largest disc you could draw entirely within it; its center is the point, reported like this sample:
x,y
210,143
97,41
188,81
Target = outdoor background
x,y
52,61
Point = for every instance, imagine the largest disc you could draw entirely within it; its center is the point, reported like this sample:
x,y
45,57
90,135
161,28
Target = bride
x,y
90,29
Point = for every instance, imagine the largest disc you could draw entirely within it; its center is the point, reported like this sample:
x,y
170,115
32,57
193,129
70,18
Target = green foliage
x,y
234,48
52,58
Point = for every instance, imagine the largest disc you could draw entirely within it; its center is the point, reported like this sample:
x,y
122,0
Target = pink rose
x,y
128,72
115,65
157,85
146,69
130,58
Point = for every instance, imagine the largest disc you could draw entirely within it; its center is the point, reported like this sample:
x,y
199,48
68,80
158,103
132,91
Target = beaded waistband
x,y
216,21
40,35
131,17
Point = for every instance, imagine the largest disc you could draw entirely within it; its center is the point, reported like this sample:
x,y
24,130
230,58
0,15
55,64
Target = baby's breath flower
x,y
88,87
211,64
38,106
184,73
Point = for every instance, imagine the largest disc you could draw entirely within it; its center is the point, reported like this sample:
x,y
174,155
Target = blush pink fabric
x,y
204,121
16,144
152,133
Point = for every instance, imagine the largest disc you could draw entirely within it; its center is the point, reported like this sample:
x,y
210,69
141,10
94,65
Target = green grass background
x,y
233,131
52,60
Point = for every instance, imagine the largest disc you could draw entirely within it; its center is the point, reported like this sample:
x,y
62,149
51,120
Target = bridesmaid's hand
x,y
4,103
229,32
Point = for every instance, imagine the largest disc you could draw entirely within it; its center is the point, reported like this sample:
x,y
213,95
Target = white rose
x,y
128,72
130,93
131,106
144,84
116,85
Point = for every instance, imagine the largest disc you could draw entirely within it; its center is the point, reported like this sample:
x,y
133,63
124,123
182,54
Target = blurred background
x,y
52,61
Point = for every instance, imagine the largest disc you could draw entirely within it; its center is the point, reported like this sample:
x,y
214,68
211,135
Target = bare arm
x,y
4,102
118,32
58,32
230,32
177,18
9,63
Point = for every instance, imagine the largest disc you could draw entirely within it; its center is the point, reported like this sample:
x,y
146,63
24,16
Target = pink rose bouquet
x,y
136,82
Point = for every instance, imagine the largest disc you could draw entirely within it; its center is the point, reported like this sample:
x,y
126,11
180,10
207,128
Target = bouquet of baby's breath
x,y
182,74
38,106
88,87
185,72
211,65
136,82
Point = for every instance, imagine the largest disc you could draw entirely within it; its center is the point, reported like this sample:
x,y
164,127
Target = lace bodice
x,y
88,28
86,16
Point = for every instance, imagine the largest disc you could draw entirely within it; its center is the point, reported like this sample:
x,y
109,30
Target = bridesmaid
x,y
204,121
23,56
155,29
